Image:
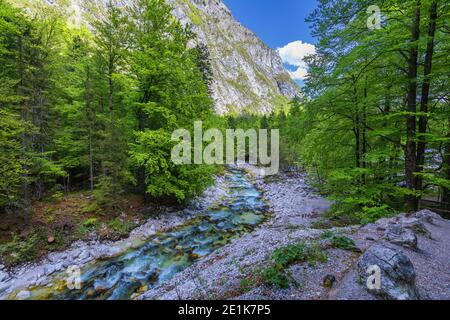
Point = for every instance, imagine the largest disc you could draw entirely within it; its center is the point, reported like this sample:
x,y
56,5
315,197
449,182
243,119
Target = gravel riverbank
x,y
232,272
294,207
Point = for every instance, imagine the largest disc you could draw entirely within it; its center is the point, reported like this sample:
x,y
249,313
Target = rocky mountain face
x,y
248,75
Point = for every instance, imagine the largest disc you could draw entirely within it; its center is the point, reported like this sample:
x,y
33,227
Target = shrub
x,y
107,196
90,222
343,243
57,196
276,277
121,227
247,284
299,252
277,274
339,241
20,250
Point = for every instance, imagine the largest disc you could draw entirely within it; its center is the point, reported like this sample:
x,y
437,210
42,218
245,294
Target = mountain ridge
x,y
248,75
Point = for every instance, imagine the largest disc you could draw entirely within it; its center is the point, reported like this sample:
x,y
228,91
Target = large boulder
x,y
417,226
427,216
397,275
398,235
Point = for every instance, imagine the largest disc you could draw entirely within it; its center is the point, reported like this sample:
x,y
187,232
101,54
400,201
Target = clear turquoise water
x,y
166,254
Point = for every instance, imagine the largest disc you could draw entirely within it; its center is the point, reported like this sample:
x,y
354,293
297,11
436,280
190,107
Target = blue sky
x,y
276,22
281,25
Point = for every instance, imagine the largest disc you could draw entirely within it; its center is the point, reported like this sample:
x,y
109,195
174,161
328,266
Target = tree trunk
x,y
357,127
91,161
410,149
23,118
446,166
423,120
356,132
364,133
110,92
90,114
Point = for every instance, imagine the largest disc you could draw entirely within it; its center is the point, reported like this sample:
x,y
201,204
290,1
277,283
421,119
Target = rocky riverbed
x,y
83,252
417,246
413,253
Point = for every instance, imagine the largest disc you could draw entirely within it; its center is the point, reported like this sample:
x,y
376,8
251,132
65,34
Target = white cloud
x,y
293,54
298,74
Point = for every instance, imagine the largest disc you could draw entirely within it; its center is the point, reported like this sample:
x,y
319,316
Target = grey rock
x,y
329,281
397,272
58,267
75,254
49,270
427,216
84,254
23,295
43,281
398,235
3,276
417,226
53,257
383,224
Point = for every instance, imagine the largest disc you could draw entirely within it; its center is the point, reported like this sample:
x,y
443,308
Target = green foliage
x,y
278,274
276,277
19,250
163,177
11,166
96,105
57,196
299,252
107,195
173,94
343,243
349,132
88,223
247,284
339,241
120,226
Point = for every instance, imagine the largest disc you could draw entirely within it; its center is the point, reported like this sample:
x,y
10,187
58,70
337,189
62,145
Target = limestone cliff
x,y
248,75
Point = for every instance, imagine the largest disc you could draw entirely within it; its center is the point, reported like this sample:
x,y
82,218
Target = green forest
x,y
90,111
96,108
374,131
